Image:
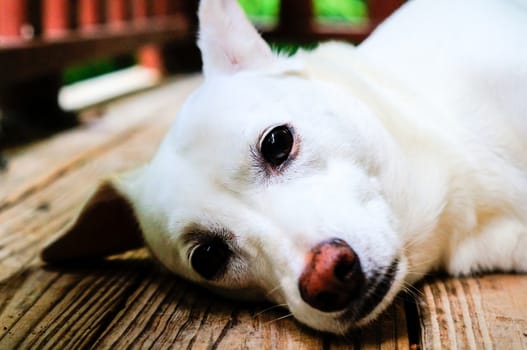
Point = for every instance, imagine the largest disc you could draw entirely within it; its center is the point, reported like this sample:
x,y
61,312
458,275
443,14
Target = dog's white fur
x,y
411,146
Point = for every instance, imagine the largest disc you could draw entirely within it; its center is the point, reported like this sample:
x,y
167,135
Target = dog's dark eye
x,y
277,145
210,257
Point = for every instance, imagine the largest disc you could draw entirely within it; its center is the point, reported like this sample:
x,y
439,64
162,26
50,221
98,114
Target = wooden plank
x,y
89,14
161,8
488,312
150,56
26,59
116,12
128,301
12,18
44,213
40,164
56,19
139,10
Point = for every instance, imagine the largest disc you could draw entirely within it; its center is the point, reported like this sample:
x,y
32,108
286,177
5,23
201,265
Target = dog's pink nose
x,y
332,277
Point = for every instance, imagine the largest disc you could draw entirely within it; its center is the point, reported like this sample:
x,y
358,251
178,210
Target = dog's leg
x,y
500,245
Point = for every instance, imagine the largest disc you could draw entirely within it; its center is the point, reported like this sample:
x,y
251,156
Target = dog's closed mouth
x,y
374,292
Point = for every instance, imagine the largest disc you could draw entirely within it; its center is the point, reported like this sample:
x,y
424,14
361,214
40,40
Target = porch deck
x,y
128,302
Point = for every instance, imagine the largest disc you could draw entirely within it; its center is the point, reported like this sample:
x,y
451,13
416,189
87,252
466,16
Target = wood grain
x,y
487,312
45,161
127,301
46,204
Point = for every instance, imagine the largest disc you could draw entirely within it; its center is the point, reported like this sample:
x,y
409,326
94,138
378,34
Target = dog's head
x,y
271,184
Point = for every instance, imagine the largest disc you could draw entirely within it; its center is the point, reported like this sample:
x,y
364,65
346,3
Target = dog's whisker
x,y
412,290
414,241
343,331
279,318
269,309
420,263
417,273
411,244
273,290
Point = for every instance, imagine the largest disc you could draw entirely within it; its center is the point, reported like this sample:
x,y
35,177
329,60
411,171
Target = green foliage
x,y
86,71
95,68
289,49
263,10
330,10
341,10
349,11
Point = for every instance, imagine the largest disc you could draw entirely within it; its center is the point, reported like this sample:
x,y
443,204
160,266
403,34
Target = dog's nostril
x,y
332,277
349,273
345,269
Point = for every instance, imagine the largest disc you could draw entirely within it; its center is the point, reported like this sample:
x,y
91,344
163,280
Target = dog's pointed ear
x,y
106,225
227,39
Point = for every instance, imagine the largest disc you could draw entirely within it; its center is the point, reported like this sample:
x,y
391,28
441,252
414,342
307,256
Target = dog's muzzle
x,y
332,277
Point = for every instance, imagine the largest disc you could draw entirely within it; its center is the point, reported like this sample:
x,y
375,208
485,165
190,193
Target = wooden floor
x,y
128,302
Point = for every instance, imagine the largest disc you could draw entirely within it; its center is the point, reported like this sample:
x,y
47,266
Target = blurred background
x,y
60,57
342,11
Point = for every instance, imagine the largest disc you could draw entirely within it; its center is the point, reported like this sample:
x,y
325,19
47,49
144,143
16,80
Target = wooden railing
x,y
39,38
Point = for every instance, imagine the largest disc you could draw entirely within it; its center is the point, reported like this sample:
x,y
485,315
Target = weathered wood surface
x,y
47,161
132,303
488,312
129,302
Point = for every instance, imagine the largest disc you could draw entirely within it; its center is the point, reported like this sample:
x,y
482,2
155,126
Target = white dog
x,y
331,180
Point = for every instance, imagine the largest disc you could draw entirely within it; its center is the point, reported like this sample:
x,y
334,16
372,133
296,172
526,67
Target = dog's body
x,y
375,164
454,98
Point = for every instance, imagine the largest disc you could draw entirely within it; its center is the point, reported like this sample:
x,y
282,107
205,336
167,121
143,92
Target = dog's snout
x,y
332,276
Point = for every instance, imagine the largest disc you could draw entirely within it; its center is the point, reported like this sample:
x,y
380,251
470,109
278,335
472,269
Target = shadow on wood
x,y
130,301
